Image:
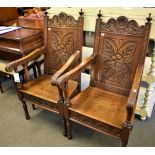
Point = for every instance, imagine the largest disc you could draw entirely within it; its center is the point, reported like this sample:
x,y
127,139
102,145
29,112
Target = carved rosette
x,y
62,44
62,20
61,48
117,61
122,25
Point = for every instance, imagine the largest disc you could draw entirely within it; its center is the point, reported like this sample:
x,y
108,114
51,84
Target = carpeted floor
x,y
44,128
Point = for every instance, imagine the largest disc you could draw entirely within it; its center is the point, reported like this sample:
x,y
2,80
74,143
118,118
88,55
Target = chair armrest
x,y
70,61
132,99
74,72
24,60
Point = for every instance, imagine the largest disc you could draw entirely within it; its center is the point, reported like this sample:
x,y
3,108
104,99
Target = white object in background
x,y
16,77
146,100
86,52
85,80
149,99
5,29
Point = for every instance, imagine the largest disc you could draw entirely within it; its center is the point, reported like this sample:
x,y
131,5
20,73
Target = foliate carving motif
x,y
39,101
122,25
94,123
116,60
63,20
61,48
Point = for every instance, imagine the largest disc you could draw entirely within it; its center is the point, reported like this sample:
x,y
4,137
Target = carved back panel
x,y
120,45
64,37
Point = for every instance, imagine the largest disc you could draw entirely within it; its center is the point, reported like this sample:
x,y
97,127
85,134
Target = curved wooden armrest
x,y
77,70
132,99
70,61
24,60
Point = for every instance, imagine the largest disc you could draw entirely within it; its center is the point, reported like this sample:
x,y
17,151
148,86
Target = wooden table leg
x,y
1,87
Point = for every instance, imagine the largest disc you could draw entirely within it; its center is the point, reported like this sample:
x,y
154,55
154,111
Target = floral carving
x,y
116,61
122,25
63,20
61,48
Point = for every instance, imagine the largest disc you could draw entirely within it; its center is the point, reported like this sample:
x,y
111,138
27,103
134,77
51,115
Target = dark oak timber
x,y
108,104
62,51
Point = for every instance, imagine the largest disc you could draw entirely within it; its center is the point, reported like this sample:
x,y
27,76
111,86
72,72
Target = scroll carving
x,y
63,20
123,26
115,65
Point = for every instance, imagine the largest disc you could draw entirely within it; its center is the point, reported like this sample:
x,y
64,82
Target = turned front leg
x,y
64,127
69,132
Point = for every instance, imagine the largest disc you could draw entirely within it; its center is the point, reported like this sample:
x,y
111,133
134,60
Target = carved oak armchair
x,y
108,104
62,51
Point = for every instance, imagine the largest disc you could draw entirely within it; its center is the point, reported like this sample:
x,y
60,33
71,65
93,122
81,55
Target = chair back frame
x,y
63,37
120,45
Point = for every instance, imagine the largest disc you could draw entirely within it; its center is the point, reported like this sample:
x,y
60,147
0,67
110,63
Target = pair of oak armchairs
x,y
108,104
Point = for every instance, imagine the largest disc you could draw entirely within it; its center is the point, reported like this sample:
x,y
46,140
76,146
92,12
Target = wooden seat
x,y
108,104
91,100
44,90
60,53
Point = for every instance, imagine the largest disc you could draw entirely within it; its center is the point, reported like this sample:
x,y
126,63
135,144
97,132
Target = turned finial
x,y
45,12
81,12
99,14
149,18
